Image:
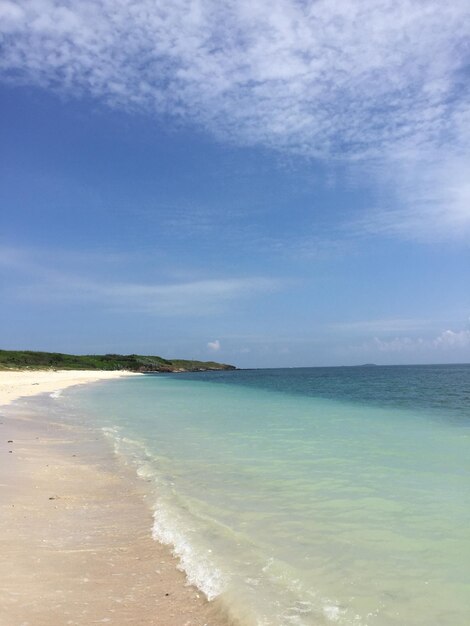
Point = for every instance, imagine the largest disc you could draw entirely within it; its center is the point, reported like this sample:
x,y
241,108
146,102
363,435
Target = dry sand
x,y
15,384
75,526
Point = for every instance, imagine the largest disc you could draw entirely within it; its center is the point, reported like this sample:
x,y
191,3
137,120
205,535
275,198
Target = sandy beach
x,y
19,384
75,529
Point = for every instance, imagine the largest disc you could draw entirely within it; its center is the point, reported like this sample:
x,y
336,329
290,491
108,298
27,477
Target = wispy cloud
x,y
358,77
382,326
195,298
380,82
43,283
428,200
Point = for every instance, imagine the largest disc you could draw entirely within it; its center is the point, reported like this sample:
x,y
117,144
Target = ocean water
x,y
306,496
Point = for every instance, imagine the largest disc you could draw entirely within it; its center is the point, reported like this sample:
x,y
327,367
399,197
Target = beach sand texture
x,y
75,529
18,384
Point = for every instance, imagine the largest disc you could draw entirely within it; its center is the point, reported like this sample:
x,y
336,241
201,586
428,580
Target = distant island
x,y
27,359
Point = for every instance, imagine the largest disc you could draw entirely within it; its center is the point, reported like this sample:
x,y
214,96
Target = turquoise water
x,y
307,496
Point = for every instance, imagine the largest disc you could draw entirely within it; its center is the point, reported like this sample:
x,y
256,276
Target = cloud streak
x,y
41,283
383,326
373,82
195,298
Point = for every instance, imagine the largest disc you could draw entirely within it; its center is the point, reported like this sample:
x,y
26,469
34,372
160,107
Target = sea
x,y
305,496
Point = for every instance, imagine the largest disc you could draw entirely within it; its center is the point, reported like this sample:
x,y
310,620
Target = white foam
x,y
167,527
195,562
147,471
56,394
332,612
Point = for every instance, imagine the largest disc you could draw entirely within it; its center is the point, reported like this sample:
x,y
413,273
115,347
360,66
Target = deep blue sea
x,y
306,496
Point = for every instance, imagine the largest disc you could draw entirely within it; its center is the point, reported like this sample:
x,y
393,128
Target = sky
x,y
267,184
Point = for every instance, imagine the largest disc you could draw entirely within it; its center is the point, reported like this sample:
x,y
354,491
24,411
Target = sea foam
x,y
194,561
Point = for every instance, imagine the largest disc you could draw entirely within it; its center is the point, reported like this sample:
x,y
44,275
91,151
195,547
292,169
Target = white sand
x,y
17,384
75,525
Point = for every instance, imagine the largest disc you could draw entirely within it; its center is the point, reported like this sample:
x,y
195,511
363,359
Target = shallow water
x,y
307,496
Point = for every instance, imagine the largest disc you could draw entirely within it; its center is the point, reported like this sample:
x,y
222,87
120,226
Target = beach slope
x,y
75,526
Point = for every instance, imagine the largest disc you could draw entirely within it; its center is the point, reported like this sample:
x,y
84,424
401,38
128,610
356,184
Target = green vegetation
x,y
26,359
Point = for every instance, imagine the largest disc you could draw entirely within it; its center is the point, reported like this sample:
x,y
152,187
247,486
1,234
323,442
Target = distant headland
x,y
28,359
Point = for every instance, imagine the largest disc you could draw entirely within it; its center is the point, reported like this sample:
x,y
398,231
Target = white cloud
x,y
41,282
380,326
194,298
10,12
448,340
214,345
319,78
398,344
451,339
433,197
377,81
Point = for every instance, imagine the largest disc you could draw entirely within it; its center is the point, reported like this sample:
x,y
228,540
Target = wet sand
x,y
75,534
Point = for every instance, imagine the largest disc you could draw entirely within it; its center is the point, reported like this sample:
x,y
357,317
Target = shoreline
x,y
76,529
15,384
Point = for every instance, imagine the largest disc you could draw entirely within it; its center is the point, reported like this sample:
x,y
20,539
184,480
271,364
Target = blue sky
x,y
266,184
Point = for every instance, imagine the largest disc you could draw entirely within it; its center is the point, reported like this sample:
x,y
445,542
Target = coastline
x,y
75,527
